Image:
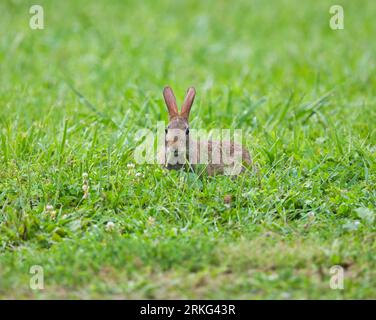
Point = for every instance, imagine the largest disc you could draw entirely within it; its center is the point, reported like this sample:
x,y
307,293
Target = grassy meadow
x,y
73,95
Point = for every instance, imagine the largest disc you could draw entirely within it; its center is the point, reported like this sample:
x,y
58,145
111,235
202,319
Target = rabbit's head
x,y
177,131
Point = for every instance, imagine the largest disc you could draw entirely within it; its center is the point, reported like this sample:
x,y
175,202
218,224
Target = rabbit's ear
x,y
170,101
188,101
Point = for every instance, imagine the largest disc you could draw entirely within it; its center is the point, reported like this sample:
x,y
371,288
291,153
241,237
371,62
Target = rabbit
x,y
182,151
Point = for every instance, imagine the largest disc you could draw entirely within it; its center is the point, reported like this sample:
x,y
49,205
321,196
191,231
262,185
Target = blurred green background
x,y
302,92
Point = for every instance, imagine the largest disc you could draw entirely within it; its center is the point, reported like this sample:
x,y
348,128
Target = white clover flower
x,y
51,211
139,174
311,214
85,185
53,214
151,221
272,277
110,226
130,165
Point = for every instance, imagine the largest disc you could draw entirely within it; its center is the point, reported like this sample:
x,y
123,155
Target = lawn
x,y
74,201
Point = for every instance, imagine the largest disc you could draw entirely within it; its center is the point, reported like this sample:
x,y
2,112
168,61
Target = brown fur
x,y
180,122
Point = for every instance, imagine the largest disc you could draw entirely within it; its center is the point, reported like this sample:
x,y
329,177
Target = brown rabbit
x,y
182,151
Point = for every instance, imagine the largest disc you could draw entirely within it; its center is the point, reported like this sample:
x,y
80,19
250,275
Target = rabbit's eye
x,y
187,131
165,130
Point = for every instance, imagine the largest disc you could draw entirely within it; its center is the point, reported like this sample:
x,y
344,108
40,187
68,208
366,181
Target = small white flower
x,y
85,189
110,226
138,174
311,214
85,175
286,295
352,225
130,165
272,277
49,207
53,214
320,140
151,221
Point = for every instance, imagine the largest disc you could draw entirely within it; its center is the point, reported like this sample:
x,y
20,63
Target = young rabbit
x,y
220,157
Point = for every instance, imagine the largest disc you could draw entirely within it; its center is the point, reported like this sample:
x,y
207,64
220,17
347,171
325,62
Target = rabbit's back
x,y
224,157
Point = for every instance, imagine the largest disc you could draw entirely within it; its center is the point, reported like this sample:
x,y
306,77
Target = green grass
x,y
303,94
